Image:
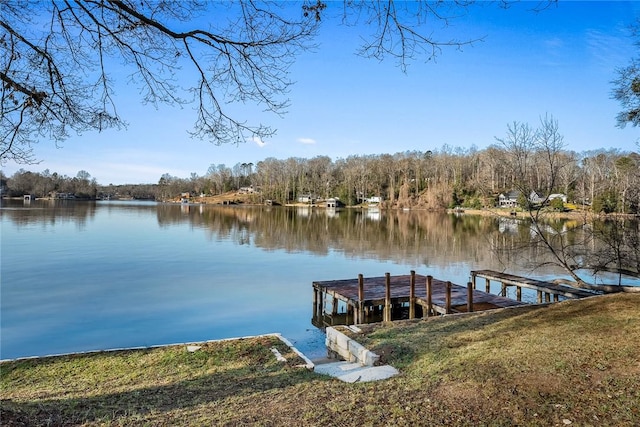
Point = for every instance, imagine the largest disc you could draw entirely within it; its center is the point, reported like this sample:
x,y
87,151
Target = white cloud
x,y
308,141
554,43
259,142
608,50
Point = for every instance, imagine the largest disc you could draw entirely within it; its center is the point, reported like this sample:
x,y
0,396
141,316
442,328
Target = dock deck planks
x,y
375,293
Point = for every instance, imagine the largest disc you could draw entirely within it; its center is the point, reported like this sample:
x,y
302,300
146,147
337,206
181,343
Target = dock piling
x,y
412,295
469,297
360,299
429,294
386,317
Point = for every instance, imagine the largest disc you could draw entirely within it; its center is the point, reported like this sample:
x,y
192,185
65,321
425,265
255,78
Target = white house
x,y
558,196
536,198
334,202
374,199
509,199
306,198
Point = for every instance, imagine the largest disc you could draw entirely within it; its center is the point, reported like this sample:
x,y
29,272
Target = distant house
x,y
62,196
558,196
247,190
334,202
374,200
536,198
306,198
509,199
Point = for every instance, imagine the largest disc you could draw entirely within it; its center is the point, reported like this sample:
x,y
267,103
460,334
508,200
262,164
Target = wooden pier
x,y
543,288
387,298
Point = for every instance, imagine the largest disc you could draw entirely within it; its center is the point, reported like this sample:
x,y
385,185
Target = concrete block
x,y
349,349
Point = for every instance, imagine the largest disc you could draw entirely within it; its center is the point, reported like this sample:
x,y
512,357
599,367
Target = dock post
x,y
556,297
324,302
360,299
447,303
386,317
519,293
539,297
317,303
503,291
473,279
547,297
334,306
412,295
429,291
469,297
487,285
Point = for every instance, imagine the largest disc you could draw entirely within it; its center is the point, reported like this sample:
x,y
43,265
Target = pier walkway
x,y
387,298
543,288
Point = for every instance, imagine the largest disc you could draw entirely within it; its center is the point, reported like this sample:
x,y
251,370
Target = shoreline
x,y
308,363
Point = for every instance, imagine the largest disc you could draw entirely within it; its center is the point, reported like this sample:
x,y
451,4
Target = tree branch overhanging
x,y
67,52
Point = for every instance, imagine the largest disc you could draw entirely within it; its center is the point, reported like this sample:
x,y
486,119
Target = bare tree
x,y
618,249
519,144
61,59
544,144
402,39
627,86
589,245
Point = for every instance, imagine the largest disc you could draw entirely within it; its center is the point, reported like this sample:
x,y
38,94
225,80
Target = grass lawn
x,y
571,363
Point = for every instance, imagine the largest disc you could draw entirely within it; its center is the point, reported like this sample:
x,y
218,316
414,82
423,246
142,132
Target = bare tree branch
x,y
62,59
626,87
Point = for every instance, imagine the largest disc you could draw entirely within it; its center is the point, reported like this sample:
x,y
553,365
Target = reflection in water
x,y
420,238
91,275
48,212
429,239
413,237
409,237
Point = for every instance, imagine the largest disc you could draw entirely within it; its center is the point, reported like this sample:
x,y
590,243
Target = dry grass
x,y
574,362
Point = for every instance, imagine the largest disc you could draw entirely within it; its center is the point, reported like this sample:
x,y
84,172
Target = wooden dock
x,y
387,298
543,288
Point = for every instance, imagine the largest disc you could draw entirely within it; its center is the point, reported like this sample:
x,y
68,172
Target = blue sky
x,y
559,61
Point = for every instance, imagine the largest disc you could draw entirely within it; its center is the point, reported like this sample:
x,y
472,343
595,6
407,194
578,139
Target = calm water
x,y
79,276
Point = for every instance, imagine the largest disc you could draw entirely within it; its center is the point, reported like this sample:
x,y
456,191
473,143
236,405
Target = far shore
x,y
547,214
234,198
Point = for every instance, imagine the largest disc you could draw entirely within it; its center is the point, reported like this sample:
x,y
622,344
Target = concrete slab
x,y
354,372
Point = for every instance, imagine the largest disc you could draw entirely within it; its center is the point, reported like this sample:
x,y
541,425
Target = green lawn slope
x,y
571,363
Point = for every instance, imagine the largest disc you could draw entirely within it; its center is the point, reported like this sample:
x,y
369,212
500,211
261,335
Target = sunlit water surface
x,y
82,276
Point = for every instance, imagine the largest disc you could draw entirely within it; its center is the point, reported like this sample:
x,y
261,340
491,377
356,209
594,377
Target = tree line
x,y
434,179
608,180
49,184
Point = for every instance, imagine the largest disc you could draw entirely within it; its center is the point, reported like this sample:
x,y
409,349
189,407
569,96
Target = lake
x,y
82,276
